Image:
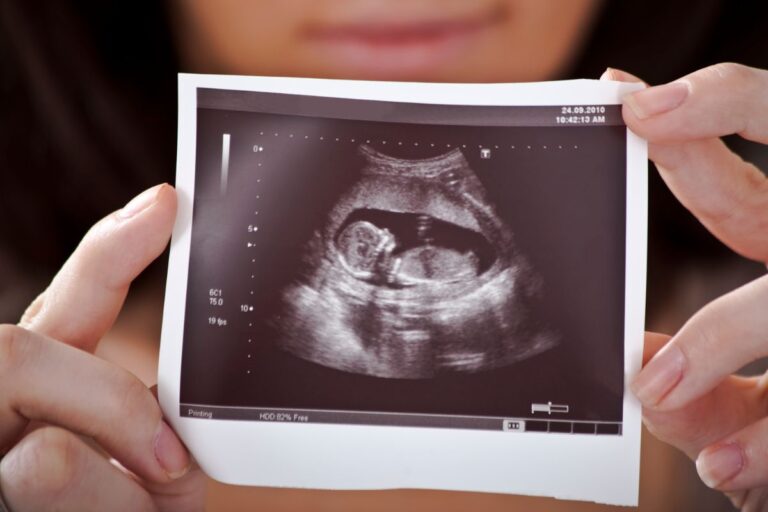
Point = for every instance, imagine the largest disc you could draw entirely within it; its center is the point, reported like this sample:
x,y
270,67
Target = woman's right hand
x,y
81,433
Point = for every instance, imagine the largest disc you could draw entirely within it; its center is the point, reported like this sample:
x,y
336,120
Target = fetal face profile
x,y
412,275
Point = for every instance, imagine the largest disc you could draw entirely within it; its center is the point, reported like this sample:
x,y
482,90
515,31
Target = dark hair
x,y
88,101
89,98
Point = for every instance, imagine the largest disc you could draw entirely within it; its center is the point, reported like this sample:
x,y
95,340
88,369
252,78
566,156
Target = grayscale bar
x,y
224,162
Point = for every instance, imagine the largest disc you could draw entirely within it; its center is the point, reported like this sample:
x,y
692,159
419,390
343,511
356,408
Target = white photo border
x,y
594,468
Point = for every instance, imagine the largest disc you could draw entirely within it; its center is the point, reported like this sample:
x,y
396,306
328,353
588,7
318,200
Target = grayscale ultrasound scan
x,y
405,264
413,274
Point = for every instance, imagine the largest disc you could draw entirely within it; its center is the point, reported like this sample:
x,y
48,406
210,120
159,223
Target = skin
x,y
420,40
690,396
47,367
691,399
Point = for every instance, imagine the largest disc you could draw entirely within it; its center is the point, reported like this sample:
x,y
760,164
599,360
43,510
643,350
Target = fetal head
x,y
362,243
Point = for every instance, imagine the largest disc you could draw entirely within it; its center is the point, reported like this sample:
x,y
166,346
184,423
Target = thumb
x,y
84,298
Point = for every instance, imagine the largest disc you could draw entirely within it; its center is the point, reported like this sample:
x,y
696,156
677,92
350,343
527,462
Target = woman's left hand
x,y
82,433
690,396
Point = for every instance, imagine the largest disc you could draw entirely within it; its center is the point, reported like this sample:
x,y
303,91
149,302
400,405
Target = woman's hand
x,y
75,400
690,397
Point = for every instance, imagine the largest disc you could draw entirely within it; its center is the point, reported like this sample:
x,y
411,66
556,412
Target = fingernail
x,y
607,74
170,453
140,203
659,376
657,100
718,465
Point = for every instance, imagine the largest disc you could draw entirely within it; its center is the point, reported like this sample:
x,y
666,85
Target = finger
x,y
187,494
42,379
86,295
653,343
733,404
620,76
751,500
738,461
729,196
718,340
53,469
719,100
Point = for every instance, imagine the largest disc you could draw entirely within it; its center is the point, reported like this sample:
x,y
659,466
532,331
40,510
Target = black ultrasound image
x,y
427,262
413,274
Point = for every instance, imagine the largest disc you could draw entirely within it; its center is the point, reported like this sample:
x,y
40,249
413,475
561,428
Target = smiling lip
x,y
376,49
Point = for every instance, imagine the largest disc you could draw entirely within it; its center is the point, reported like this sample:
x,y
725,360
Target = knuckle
x,y
135,401
729,77
16,347
742,89
731,73
44,464
705,334
130,409
718,327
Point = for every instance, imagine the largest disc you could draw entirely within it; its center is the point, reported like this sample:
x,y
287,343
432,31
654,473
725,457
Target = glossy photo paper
x,y
386,285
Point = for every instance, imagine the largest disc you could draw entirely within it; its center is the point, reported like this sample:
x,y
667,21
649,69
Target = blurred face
x,y
421,40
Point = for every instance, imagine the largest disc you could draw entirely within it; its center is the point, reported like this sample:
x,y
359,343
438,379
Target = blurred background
x,y
88,120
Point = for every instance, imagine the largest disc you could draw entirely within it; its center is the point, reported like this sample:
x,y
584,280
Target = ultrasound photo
x,y
372,262
379,285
